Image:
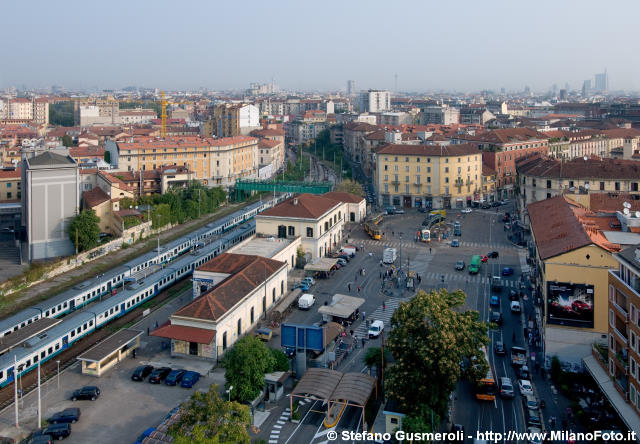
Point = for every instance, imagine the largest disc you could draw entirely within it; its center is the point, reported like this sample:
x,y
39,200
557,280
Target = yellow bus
x,y
486,387
443,213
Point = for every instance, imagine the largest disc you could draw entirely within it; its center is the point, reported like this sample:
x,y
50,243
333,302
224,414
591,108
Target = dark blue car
x,y
507,271
175,377
189,379
494,301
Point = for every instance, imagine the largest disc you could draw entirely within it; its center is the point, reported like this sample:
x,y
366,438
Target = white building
x,y
375,101
248,119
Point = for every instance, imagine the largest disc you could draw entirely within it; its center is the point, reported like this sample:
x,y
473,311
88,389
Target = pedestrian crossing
x,y
382,313
463,277
403,244
277,427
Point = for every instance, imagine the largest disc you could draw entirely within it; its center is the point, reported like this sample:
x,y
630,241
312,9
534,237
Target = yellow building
x,y
573,259
428,175
215,162
10,185
318,220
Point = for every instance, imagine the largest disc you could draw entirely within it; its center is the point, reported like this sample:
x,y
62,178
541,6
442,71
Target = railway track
x,y
49,369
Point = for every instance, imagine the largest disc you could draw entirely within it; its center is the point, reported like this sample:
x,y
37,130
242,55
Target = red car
x,y
580,306
484,259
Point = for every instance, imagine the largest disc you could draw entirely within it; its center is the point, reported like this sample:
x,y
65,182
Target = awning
x,y
341,306
321,264
184,333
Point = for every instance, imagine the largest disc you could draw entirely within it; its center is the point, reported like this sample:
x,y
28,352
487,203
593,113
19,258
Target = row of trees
x,y
434,344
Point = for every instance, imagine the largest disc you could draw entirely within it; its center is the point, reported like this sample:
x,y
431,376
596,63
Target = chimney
x,y
295,201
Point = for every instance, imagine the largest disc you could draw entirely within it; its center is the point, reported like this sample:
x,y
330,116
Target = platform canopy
x,y
321,264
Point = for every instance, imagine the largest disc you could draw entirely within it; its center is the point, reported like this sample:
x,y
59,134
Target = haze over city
x,y
463,46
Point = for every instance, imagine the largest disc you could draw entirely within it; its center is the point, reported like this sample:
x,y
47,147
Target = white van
x,y
348,249
306,301
375,329
389,255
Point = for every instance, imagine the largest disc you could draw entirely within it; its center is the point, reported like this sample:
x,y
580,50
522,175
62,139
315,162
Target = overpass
x,y
245,187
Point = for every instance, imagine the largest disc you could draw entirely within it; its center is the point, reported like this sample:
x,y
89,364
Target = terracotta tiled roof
x,y
513,135
464,149
10,174
246,274
139,143
268,143
376,135
361,126
621,132
344,197
555,227
184,333
113,179
304,206
612,202
94,197
94,151
581,169
267,133
487,170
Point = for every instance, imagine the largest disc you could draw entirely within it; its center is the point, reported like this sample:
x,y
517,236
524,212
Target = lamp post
x,y
229,392
58,362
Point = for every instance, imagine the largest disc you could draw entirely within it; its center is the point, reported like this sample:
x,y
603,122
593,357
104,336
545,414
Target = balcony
x,y
395,182
621,336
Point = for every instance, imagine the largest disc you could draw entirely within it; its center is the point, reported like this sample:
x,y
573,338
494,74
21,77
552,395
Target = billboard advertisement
x,y
570,304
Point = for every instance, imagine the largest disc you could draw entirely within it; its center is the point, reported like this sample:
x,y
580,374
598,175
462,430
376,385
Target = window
x,y
291,230
395,168
616,186
239,327
326,226
8,195
8,184
394,420
273,295
406,178
224,341
281,287
406,189
309,232
446,180
548,184
386,167
446,169
252,315
386,177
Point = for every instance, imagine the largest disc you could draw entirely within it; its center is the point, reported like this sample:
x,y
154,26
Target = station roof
x,y
184,333
16,338
110,345
332,385
321,264
341,306
262,246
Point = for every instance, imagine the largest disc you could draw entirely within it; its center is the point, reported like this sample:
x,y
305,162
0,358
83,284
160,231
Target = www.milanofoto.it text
x,y
555,435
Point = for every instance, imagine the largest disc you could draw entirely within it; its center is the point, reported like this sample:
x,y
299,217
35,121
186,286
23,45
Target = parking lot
x,y
125,408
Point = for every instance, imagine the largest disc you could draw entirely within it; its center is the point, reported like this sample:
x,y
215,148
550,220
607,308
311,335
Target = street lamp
x,y
229,392
58,362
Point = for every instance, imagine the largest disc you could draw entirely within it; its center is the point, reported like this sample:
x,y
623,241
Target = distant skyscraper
x,y
602,81
563,94
351,87
586,87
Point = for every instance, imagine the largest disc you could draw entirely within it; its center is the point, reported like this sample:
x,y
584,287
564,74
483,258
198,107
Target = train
x,y
136,291
94,289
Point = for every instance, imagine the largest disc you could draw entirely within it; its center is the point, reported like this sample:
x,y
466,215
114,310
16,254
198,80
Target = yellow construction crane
x,y
163,116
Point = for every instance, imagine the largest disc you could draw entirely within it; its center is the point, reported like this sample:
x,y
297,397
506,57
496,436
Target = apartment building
x,y
375,101
215,162
10,185
304,130
34,110
428,175
475,116
137,116
230,120
317,219
439,114
543,178
570,145
89,112
624,143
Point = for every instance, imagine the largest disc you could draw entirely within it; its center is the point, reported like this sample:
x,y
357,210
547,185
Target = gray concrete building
x,y
50,200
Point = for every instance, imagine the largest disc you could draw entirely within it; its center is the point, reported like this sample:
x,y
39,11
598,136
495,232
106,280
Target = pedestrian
x,y
349,286
363,341
393,233
358,289
381,275
134,353
384,306
148,331
351,332
364,315
513,335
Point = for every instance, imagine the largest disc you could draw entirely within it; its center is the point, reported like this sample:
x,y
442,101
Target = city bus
x,y
442,213
372,228
486,387
474,266
425,235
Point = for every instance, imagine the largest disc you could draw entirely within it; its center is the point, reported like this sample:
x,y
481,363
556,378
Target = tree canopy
x,y
88,230
208,419
245,365
429,341
349,186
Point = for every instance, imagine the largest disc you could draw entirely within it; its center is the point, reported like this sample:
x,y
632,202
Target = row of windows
x,y
633,186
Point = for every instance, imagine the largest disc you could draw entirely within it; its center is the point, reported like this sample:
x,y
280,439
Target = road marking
x,y
281,422
277,426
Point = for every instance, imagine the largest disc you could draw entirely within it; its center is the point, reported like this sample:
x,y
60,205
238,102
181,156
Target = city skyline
x,y
302,48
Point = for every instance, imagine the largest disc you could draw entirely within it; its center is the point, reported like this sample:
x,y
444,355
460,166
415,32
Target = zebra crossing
x,y
380,314
277,427
464,277
403,244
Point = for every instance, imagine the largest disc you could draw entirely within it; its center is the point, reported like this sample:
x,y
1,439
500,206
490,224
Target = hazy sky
x,y
304,44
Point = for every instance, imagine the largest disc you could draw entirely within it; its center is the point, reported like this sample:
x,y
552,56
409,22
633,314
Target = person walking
x,y
384,306
364,315
349,286
429,250
358,289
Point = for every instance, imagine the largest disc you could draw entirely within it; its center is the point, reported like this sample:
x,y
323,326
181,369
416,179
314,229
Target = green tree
x,y
107,156
429,340
301,259
67,140
245,365
280,361
349,186
373,358
208,419
86,224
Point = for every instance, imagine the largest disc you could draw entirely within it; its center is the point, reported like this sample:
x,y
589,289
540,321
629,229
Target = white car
x,y
525,387
515,307
466,210
375,329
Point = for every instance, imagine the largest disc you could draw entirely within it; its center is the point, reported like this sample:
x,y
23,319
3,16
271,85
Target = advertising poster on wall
x,y
570,304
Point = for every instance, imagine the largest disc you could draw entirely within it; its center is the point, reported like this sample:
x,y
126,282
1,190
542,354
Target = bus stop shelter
x,y
109,352
338,390
321,267
341,308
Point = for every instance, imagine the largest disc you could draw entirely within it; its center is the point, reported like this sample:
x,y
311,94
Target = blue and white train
x,y
90,290
58,338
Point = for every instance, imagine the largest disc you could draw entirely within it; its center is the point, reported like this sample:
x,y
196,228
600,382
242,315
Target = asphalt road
x,y
482,232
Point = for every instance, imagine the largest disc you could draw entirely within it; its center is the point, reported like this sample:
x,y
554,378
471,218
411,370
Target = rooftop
x,y
592,168
464,149
262,246
303,206
49,159
95,197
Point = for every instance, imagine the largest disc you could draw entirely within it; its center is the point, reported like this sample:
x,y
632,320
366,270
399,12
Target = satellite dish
x,y
637,214
586,186
626,205
586,158
626,211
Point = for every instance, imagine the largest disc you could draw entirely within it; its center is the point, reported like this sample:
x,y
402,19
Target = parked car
x,y
496,204
70,415
485,206
264,334
505,218
493,255
525,387
530,402
513,295
515,306
303,286
159,375
506,388
375,329
390,210
533,418
344,256
507,271
498,348
494,301
309,281
467,210
342,262
455,243
58,431
189,379
460,265
39,438
141,372
457,430
523,372
496,318
484,259
399,211
175,377
88,392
